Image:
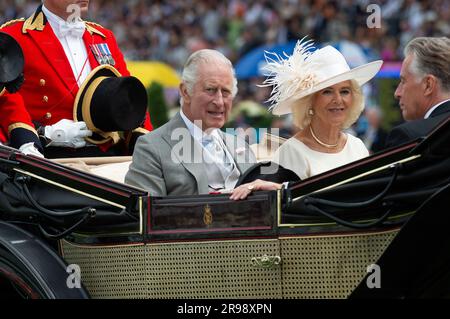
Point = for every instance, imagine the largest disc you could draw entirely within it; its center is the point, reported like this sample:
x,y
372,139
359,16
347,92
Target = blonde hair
x,y
300,108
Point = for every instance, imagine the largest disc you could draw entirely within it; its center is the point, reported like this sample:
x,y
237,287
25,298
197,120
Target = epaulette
x,y
11,22
91,29
95,23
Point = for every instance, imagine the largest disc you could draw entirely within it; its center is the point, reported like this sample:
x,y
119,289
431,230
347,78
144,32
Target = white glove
x,y
30,149
67,133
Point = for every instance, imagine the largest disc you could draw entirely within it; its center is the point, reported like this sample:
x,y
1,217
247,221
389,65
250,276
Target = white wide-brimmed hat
x,y
304,73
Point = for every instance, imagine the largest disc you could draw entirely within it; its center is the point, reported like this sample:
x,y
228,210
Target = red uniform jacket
x,y
48,92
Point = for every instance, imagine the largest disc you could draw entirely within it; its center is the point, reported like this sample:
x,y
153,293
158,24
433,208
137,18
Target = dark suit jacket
x,y
412,130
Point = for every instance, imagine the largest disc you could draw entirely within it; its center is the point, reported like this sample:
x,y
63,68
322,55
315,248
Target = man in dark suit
x,y
424,89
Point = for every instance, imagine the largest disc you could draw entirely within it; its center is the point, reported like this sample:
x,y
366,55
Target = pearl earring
x,y
310,112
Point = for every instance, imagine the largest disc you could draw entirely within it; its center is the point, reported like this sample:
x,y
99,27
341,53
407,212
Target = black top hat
x,y
108,103
11,63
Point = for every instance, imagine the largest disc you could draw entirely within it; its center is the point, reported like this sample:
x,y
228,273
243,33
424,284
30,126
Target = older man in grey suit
x,y
190,155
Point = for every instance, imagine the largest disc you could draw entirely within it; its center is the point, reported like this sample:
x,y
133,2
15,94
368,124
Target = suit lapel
x,y
45,39
192,161
239,151
88,40
51,48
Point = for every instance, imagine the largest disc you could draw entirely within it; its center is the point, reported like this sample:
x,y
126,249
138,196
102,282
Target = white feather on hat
x,y
305,72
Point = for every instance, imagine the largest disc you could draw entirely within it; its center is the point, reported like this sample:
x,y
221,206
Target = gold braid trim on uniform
x,y
2,91
11,22
34,23
140,130
94,23
137,131
91,29
22,125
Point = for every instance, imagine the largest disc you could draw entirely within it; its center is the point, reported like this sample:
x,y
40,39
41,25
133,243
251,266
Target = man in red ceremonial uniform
x,y
60,50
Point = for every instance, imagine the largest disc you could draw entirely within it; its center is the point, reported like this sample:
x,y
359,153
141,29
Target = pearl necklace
x,y
320,142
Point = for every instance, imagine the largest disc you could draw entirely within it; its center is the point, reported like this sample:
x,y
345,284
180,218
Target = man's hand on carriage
x,y
67,133
242,191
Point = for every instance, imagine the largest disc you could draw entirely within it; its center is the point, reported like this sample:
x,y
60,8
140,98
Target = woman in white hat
x,y
324,95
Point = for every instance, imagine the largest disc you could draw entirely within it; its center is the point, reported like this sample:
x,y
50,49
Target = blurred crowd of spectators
x,y
170,30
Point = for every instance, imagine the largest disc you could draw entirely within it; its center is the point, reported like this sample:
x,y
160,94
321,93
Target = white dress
x,y
305,162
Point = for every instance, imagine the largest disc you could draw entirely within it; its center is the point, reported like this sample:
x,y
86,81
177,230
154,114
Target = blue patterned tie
x,y
216,150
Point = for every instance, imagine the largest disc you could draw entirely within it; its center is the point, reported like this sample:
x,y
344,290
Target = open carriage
x,y
329,236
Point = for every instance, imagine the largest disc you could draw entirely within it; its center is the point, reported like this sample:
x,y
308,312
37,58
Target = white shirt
x,y
199,136
427,115
220,167
74,48
305,162
196,131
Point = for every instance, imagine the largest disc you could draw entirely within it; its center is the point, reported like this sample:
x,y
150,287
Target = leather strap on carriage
x,y
312,204
314,201
351,224
65,232
85,210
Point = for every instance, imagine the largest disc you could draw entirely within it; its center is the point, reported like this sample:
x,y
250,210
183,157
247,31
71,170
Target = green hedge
x,y
157,106
388,103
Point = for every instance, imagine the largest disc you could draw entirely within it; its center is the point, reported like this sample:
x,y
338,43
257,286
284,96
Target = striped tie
x,y
216,150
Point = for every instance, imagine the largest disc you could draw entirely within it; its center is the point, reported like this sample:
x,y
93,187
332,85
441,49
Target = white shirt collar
x,y
196,131
427,115
54,20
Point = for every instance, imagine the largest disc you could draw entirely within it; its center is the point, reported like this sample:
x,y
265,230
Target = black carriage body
x,y
317,239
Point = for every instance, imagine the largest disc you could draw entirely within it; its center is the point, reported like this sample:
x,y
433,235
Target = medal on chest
x,y
102,53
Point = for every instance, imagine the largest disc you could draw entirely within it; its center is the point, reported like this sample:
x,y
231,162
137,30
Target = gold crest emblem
x,y
207,215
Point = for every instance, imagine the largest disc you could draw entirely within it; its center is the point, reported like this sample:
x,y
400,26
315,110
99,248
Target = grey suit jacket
x,y
168,161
